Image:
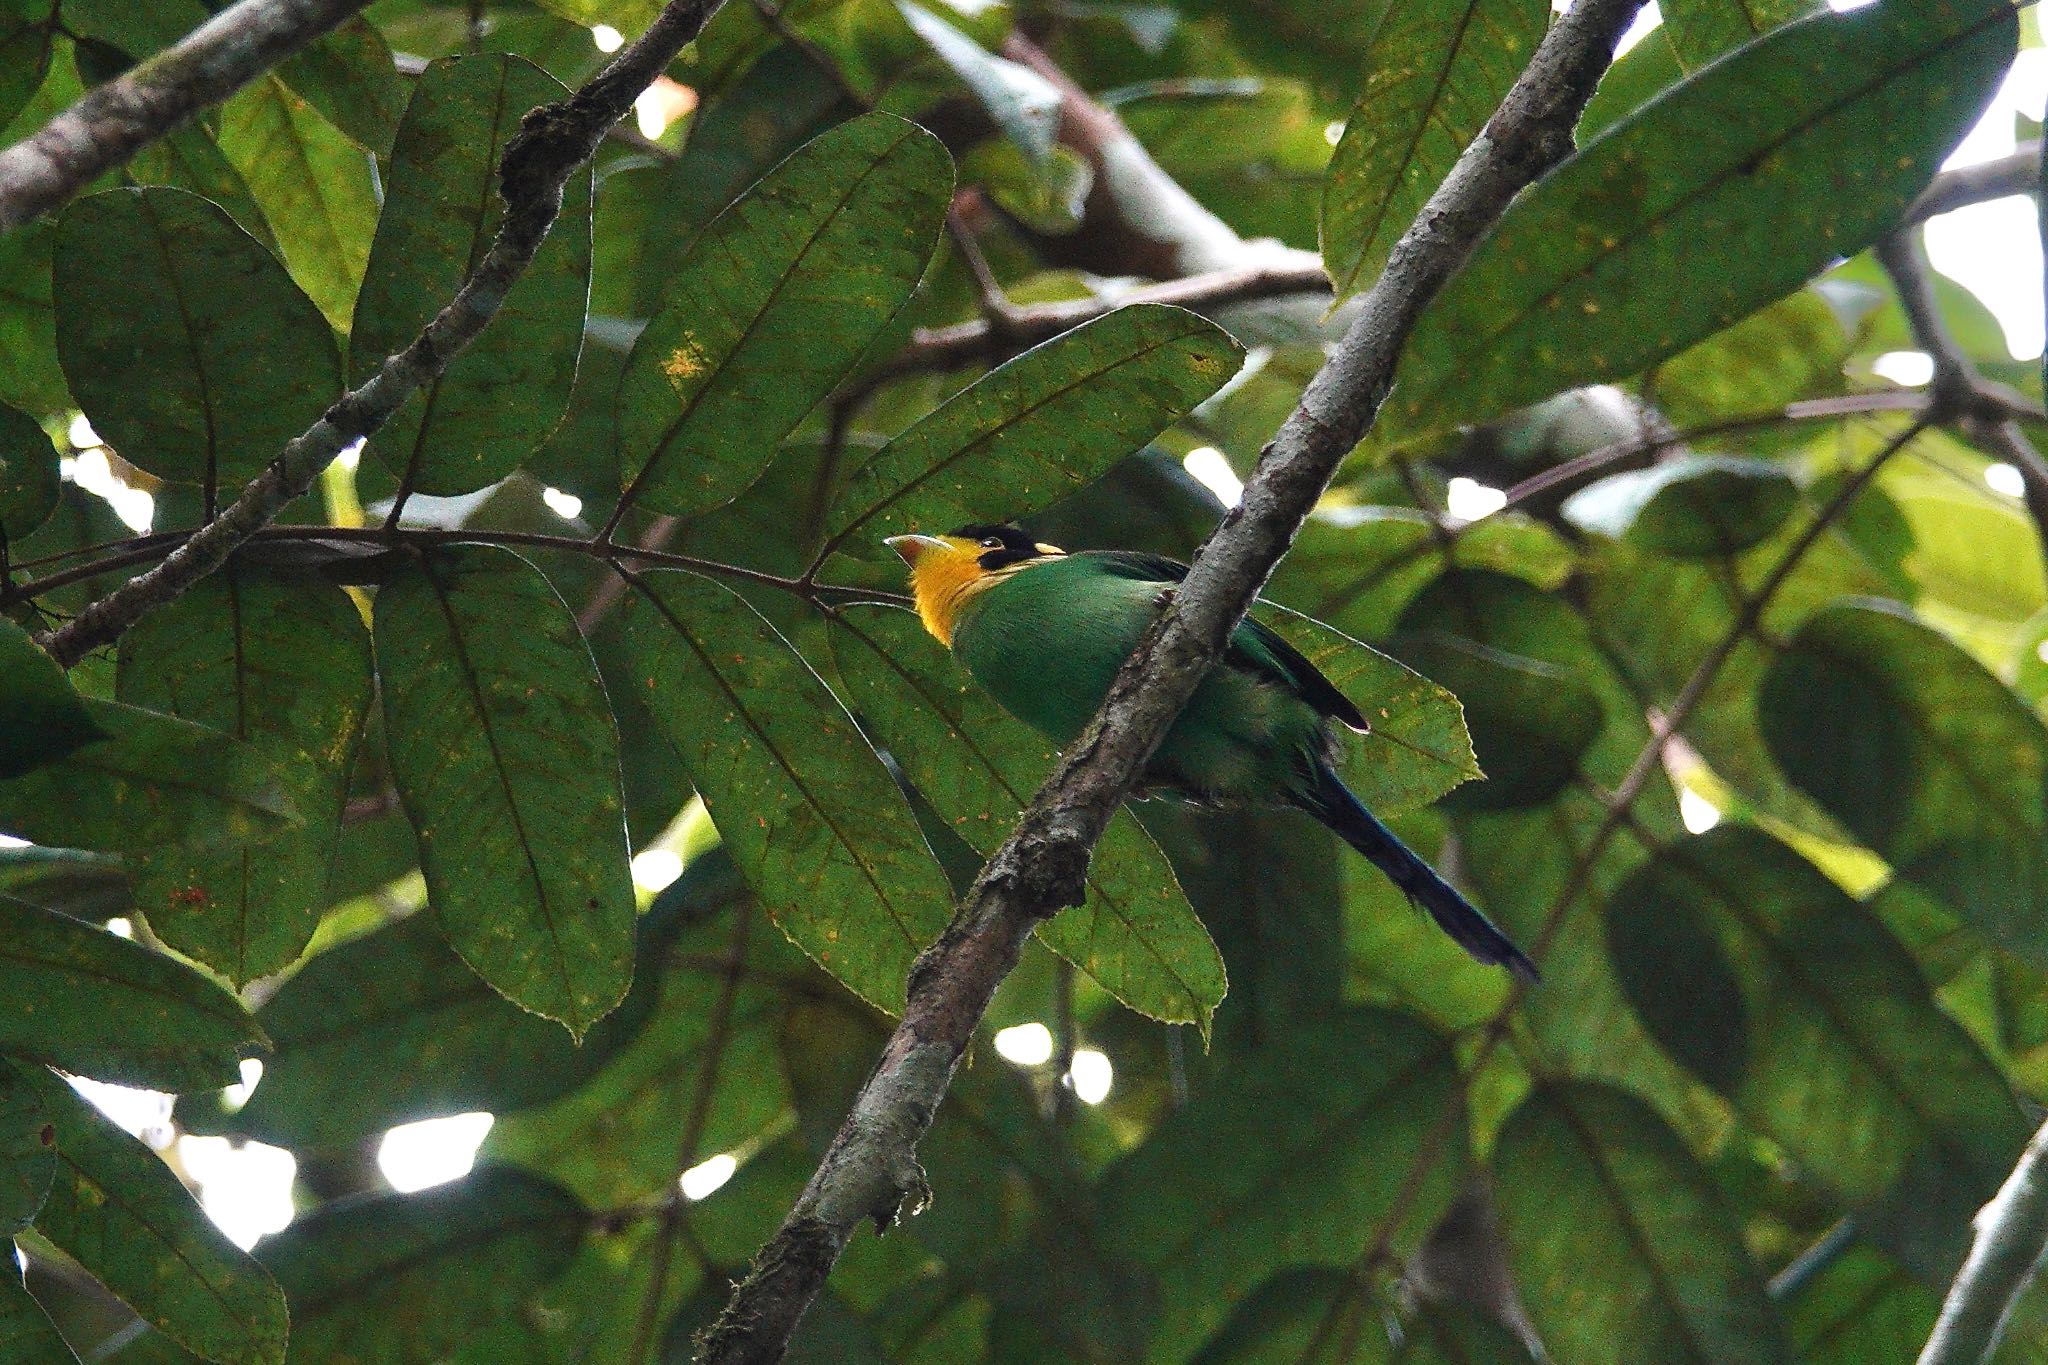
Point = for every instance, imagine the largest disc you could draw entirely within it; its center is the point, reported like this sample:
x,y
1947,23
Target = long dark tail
x,y
1331,802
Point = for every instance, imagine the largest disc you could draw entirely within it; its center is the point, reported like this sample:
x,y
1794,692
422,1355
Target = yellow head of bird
x,y
946,571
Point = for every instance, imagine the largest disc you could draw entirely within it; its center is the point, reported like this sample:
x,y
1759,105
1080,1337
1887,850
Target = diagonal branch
x,y
871,1170
2012,1233
116,120
553,141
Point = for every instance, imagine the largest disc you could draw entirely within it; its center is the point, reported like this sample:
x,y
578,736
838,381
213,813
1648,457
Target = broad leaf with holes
x,y
497,401
281,661
185,342
1718,196
503,748
811,816
776,300
117,1210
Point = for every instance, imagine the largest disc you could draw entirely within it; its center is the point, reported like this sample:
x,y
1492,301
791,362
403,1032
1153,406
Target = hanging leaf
x,y
1705,204
350,77
29,482
498,400
502,746
1048,422
154,781
1434,73
1693,507
281,661
811,816
184,342
776,300
1619,1241
317,189
96,1004
118,1211
1137,934
41,718
1291,1167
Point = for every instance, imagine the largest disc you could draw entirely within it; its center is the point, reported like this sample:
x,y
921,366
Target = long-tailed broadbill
x,y
1044,633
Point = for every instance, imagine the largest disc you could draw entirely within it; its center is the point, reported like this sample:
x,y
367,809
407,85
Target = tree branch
x,y
2018,173
114,121
553,141
2012,1231
870,1170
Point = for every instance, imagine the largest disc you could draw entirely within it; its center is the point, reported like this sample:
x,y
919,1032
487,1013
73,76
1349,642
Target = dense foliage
x,y
365,804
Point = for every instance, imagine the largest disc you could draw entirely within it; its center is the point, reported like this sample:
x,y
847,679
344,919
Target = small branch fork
x,y
870,1171
553,142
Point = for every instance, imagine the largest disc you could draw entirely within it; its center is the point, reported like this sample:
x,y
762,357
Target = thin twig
x,y
115,120
553,142
870,1171
2018,173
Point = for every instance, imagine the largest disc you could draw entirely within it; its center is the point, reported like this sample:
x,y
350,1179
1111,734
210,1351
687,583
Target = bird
x,y
1044,632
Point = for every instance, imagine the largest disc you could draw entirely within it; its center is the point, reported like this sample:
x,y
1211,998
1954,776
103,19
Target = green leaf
x,y
1532,722
1694,506
1715,198
96,1004
1293,1169
777,299
27,1336
1644,71
406,1279
154,781
1862,1308
24,56
1702,30
350,77
32,378
394,1028
184,342
29,481
502,746
1434,73
138,30
117,1210
498,400
812,818
1326,1317
1044,424
1024,104
1136,935
281,661
41,718
188,158
1619,1241
1790,350
1795,1002
28,1154
317,189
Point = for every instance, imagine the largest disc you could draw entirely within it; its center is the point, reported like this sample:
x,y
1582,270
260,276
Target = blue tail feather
x,y
1333,803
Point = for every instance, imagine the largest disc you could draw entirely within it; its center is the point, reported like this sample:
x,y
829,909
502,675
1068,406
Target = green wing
x,y
1255,649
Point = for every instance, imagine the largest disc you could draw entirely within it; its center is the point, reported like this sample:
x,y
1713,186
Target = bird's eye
x,y
991,542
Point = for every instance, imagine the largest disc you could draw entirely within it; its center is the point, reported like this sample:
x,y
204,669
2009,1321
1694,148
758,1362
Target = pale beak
x,y
910,547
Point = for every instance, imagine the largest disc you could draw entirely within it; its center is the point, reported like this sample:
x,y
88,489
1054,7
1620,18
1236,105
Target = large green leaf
x,y
1702,30
41,718
27,1336
28,475
1136,934
1861,1310
811,816
155,781
1695,506
25,34
281,661
776,300
406,1279
1044,424
94,1003
185,343
502,746
498,400
394,1028
1944,771
1621,1246
1434,74
317,189
28,1152
1772,986
1292,1169
1717,197
350,77
118,1211
188,158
